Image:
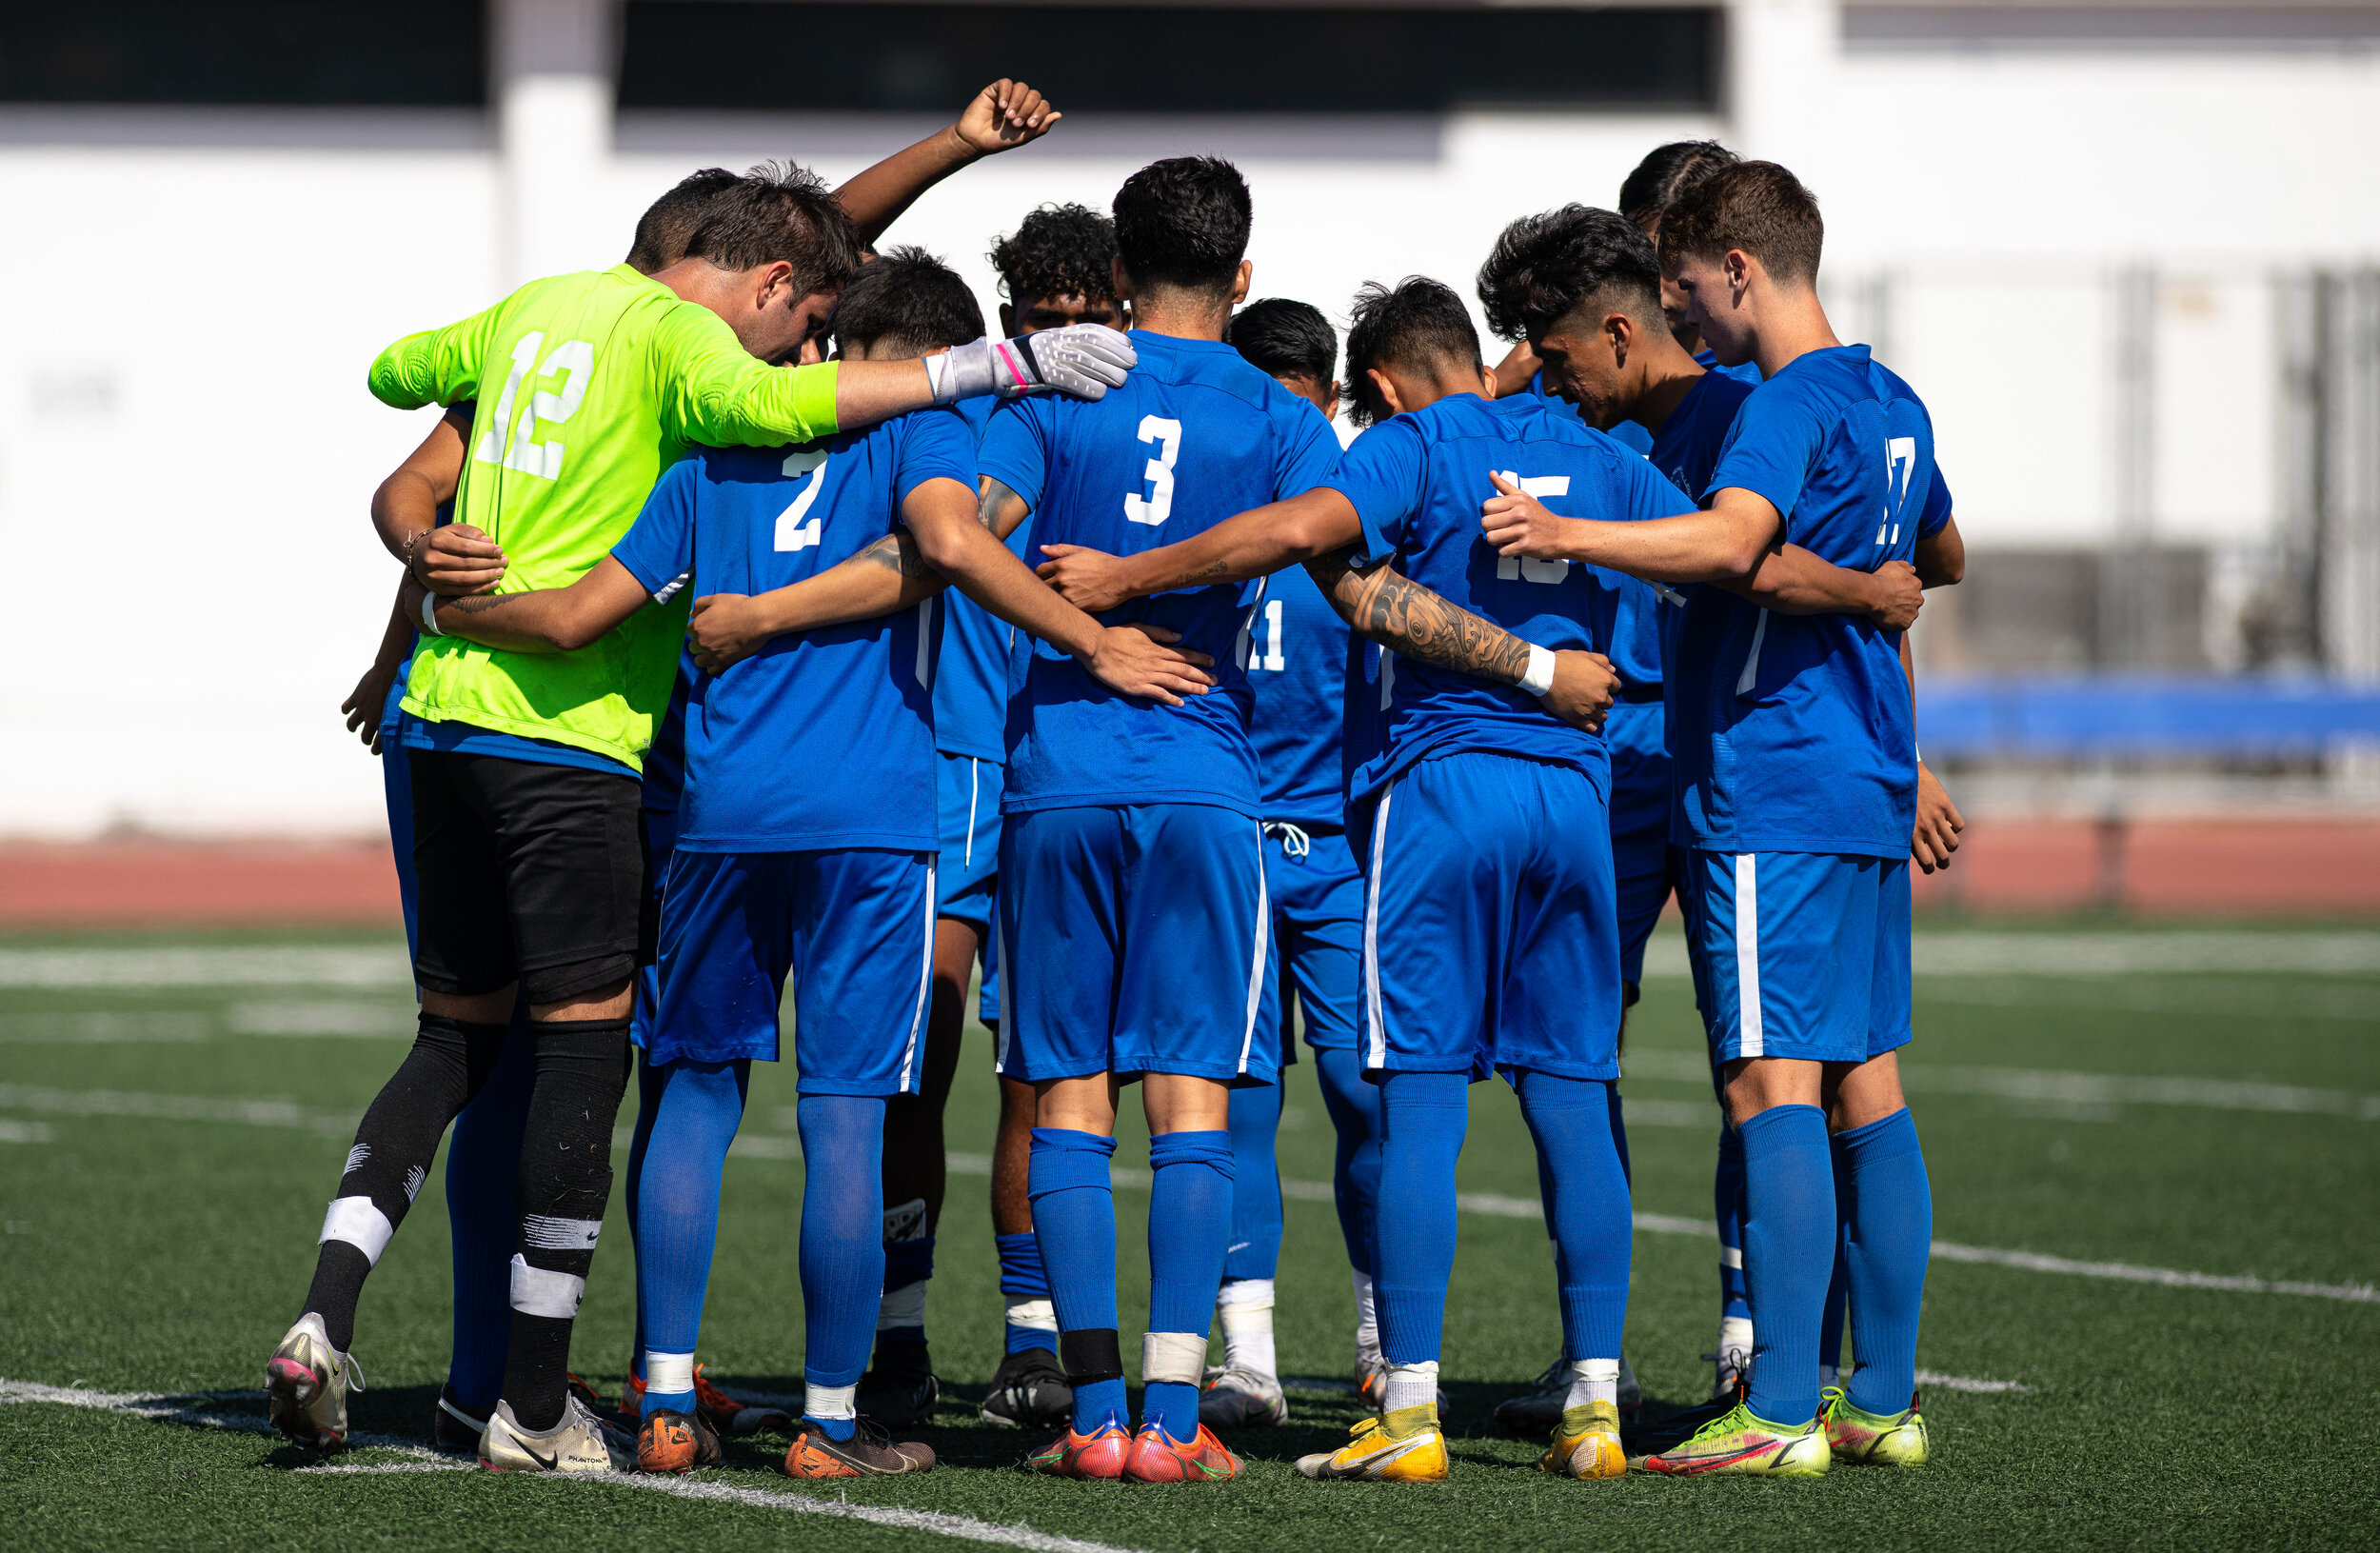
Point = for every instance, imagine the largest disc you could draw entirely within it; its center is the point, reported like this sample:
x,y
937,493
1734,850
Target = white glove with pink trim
x,y
1084,360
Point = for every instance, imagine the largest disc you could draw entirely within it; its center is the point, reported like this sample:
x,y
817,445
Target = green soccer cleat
x,y
1879,1439
1740,1441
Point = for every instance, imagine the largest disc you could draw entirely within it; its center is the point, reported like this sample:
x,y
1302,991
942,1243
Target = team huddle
x,y
766,618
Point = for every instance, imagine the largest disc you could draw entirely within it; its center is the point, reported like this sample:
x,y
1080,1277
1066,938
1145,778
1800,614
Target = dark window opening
x,y
378,54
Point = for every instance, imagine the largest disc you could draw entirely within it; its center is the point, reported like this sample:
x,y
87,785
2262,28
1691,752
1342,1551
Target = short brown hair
x,y
780,212
1757,206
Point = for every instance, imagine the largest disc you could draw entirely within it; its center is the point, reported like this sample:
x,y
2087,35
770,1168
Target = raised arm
x,y
545,619
1002,117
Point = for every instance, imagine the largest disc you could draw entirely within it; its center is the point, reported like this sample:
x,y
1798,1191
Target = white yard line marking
x,y
26,1132
1966,1382
225,966
2127,1273
255,1113
172,1409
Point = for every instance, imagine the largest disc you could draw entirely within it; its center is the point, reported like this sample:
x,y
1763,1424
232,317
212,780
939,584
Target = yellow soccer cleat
x,y
1372,1455
1740,1441
1877,1439
1586,1444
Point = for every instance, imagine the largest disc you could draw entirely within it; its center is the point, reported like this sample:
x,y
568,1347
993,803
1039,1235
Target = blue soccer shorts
x,y
854,929
1645,864
1490,939
966,793
1316,894
1802,954
1132,940
660,843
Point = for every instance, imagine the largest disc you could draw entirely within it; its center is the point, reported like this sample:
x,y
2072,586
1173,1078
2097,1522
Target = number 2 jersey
x,y
1793,733
1417,483
1195,435
822,739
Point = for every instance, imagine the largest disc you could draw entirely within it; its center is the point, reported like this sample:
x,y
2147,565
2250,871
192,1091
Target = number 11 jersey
x,y
1195,435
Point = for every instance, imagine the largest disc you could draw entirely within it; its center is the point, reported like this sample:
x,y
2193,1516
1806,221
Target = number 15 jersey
x,y
1195,435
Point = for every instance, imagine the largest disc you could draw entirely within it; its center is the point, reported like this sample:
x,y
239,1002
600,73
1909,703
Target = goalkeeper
x,y
525,765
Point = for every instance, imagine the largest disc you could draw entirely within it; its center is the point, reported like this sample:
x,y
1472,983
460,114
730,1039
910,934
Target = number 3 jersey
x,y
1417,483
822,739
1793,733
1195,435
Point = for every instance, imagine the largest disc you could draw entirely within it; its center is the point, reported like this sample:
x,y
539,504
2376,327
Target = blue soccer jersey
x,y
1792,733
1194,436
1297,651
822,739
1417,483
976,658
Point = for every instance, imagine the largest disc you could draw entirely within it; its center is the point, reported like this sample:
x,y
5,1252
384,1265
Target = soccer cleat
x,y
1029,1391
900,1389
730,1419
869,1453
581,1442
1155,1456
1539,1408
1586,1444
674,1441
1370,1454
1651,1438
1098,1455
306,1386
1883,1439
1241,1398
1740,1441
454,1427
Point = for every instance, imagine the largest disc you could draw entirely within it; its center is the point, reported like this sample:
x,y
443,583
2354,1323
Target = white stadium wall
x,y
191,297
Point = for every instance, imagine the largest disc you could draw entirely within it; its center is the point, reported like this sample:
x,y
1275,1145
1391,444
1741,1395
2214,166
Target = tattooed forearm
x,y
897,551
1405,616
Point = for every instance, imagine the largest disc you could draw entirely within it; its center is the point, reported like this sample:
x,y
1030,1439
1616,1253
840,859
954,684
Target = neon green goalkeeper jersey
x,y
588,386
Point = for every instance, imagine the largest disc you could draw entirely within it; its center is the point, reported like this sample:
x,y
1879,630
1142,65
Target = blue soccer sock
x,y
908,1268
1789,1247
483,1156
1355,1111
1838,1281
1727,1200
1032,1320
688,1115
1423,1116
842,1250
1190,1223
1892,1234
1074,1218
1619,1134
1256,1220
1571,1121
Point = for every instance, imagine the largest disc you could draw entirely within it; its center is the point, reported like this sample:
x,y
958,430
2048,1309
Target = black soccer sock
x,y
565,1177
394,1146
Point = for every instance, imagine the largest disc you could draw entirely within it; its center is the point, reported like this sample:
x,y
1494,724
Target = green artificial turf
x,y
157,1255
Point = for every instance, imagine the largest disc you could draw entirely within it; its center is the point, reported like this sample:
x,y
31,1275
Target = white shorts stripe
x,y
1747,956
1255,956
355,1221
975,793
1751,675
1008,1047
1376,1053
925,984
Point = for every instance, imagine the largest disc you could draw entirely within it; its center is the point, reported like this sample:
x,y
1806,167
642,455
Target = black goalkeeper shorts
x,y
527,872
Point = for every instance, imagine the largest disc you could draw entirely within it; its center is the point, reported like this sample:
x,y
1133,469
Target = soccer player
x,y
1132,887
529,861
1797,768
1490,941
834,878
1054,271
1297,661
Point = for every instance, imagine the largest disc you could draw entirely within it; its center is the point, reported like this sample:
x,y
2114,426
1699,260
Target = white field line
x,y
2051,1086
253,1112
63,970
1965,1383
2173,952
26,1132
175,1410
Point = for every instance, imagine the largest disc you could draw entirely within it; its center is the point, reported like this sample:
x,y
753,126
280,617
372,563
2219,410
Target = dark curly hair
x,y
776,212
1544,266
1417,325
1060,250
910,300
1281,338
1183,223
1666,170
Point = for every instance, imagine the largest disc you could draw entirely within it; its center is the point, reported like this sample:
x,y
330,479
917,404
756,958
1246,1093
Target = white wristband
x,y
429,615
1540,677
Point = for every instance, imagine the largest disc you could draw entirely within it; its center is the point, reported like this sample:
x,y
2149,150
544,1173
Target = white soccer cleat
x,y
306,1386
1236,1398
581,1442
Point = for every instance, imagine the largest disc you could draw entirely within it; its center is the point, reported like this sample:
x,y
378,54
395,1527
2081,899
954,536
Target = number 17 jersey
x,y
1195,435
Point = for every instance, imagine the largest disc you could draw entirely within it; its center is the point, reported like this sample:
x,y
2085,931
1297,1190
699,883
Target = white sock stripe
x,y
1036,1315
355,1221
551,1234
1176,1357
826,1402
1245,1294
903,1306
1748,954
537,1291
671,1374
1377,1055
1257,954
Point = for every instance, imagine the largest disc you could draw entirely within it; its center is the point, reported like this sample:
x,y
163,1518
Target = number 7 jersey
x,y
1195,435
